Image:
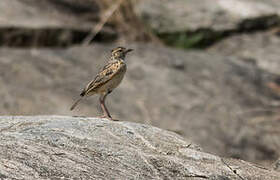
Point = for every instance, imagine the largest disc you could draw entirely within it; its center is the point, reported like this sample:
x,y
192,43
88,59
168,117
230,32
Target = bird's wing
x,y
105,75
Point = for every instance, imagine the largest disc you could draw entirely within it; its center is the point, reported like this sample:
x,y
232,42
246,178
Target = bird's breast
x,y
120,69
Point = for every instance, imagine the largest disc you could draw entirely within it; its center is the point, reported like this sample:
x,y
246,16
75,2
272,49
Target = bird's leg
x,y
103,106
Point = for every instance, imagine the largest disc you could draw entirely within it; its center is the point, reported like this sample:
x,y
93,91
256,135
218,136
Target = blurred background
x,y
207,70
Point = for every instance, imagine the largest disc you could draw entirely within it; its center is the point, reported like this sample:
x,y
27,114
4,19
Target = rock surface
x,y
46,14
277,165
226,99
225,106
63,147
180,15
49,23
259,48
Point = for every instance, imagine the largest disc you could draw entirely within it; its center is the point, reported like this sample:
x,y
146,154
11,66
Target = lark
x,y
108,78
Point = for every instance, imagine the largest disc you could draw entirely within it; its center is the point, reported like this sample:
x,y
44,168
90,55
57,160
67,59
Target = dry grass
x,y
120,14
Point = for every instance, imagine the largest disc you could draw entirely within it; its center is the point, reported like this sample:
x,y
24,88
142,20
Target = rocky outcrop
x,y
261,49
179,15
226,99
50,23
222,103
63,147
277,165
47,14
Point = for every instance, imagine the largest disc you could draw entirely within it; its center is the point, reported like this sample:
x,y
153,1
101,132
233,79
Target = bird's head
x,y
119,52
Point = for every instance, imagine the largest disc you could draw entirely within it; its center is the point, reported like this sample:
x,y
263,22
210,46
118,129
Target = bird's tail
x,y
76,103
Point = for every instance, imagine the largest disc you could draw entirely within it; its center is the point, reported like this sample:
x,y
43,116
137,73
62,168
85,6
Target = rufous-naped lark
x,y
107,79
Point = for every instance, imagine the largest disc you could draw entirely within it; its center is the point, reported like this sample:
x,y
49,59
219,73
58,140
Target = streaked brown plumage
x,y
107,79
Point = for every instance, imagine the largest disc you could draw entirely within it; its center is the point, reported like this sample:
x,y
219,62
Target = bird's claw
x,y
106,117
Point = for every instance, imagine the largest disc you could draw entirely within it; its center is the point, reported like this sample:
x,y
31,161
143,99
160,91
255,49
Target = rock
x,y
180,15
260,48
50,23
277,165
221,103
46,14
64,147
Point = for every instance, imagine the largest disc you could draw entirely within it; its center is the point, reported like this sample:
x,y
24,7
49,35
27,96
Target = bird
x,y
108,78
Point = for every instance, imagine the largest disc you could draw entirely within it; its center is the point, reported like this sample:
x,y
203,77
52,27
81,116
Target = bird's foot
x,y
103,116
107,117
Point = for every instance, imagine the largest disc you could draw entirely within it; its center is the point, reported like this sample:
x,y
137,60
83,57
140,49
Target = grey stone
x,y
190,15
277,165
259,48
64,147
46,14
221,103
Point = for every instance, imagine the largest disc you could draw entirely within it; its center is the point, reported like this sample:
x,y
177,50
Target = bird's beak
x,y
128,50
